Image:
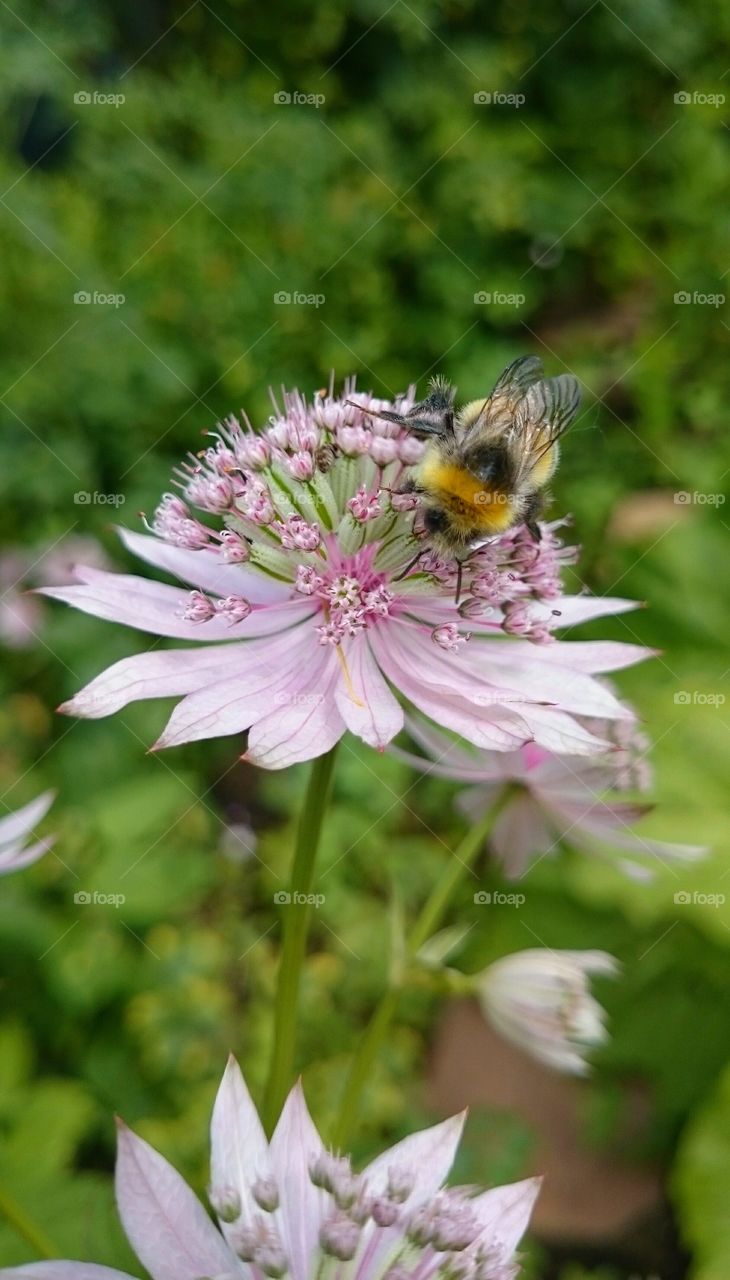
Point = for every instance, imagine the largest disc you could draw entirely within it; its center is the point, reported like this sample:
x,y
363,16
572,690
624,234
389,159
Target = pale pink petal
x,y
205,569
493,726
363,698
520,835
18,825
156,607
505,1213
428,1156
63,1271
576,609
558,731
637,844
239,1152
553,682
162,673
303,727
15,857
267,676
165,1223
593,657
294,1144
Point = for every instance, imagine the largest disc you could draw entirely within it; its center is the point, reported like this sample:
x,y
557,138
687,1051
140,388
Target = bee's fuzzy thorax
x,y
472,505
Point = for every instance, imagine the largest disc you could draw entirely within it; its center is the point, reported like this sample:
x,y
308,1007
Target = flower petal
x,y
520,835
505,1213
294,1144
428,1155
165,1223
205,570
494,726
162,673
363,698
18,856
63,1271
266,676
16,826
158,608
307,723
239,1152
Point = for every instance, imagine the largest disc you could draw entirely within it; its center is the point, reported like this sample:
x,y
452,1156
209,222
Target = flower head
x,y
287,1207
317,606
556,799
540,1000
15,852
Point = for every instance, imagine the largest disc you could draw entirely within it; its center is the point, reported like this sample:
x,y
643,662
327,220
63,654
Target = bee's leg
x,y
533,509
459,572
409,566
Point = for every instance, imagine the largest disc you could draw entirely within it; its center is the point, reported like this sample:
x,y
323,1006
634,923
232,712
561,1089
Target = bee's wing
x,y
544,415
501,407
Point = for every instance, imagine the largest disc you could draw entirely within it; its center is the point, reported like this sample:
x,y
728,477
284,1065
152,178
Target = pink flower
x,y
541,1001
290,1208
307,580
15,852
558,799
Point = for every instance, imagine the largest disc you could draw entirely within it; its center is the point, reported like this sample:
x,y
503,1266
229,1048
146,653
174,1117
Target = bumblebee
x,y
485,466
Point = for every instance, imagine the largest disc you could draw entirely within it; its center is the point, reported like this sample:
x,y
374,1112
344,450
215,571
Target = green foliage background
x,y
398,198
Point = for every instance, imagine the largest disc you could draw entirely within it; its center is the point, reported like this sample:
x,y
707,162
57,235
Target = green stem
x,y
25,1227
296,920
428,920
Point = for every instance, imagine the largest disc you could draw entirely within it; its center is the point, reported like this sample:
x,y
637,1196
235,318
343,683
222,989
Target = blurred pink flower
x,y
541,1001
15,828
312,618
558,799
21,614
290,1208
